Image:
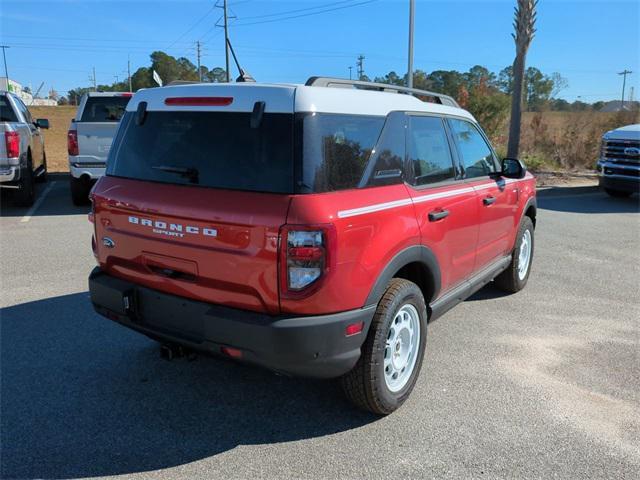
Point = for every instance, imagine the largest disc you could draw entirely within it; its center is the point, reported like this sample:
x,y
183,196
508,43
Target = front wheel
x,y
392,354
515,277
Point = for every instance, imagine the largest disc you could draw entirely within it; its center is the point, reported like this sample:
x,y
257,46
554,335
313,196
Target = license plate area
x,y
169,313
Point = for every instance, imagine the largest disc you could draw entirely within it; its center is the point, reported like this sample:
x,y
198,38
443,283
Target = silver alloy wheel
x,y
401,349
524,257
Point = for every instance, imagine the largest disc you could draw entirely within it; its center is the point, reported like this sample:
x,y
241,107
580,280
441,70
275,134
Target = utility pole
x,y
226,41
198,56
350,69
6,72
93,80
412,8
117,79
360,66
129,72
624,84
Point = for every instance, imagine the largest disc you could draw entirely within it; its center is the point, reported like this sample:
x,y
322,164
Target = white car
x,y
89,139
22,157
619,163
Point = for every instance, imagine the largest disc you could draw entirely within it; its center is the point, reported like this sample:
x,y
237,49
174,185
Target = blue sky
x,y
59,41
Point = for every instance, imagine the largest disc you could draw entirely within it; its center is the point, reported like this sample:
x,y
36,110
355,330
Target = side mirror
x,y
513,168
42,123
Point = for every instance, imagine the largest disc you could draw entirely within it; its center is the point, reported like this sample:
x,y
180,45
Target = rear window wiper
x,y
188,172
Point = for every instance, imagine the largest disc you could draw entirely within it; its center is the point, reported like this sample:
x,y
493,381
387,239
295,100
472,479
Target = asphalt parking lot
x,y
544,383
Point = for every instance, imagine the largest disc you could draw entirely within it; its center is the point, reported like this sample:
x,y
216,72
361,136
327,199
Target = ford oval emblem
x,y
632,151
107,242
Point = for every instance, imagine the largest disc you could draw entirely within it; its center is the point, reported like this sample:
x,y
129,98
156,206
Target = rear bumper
x,y
92,169
302,346
9,174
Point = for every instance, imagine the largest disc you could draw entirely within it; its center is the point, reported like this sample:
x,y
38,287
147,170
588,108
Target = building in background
x,y
8,85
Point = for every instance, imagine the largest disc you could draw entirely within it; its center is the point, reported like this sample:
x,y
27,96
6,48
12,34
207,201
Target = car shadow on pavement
x,y
585,199
56,202
82,397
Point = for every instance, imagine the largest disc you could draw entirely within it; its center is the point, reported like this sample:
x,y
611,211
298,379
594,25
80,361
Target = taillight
x,y
12,143
305,256
72,142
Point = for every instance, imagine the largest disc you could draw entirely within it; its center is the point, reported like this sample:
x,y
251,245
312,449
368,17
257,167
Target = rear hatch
x,y
197,187
97,126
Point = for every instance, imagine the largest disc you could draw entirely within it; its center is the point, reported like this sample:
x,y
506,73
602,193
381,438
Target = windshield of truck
x,y
104,109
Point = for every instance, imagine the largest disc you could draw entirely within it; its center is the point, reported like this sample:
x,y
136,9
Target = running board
x,y
467,288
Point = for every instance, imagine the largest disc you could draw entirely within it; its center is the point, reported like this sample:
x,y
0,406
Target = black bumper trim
x,y
313,346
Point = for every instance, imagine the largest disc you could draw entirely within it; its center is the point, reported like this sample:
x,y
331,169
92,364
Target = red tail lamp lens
x,y
199,101
12,144
72,142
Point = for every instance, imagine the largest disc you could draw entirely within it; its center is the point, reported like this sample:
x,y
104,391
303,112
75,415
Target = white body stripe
x,y
423,198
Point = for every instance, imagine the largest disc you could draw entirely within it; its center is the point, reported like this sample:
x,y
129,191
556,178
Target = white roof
x,y
289,98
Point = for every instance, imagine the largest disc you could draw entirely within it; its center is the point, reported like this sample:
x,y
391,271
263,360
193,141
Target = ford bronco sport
x,y
309,229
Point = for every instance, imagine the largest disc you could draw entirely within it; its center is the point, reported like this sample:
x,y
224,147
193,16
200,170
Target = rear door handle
x,y
436,215
488,200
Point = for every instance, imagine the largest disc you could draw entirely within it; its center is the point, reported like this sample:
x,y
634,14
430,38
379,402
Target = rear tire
x,y
515,277
26,195
79,191
617,193
392,353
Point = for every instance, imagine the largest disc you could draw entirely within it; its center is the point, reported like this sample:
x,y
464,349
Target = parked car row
x,y
23,160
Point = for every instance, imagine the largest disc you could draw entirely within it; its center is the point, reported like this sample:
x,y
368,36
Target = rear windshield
x,y
308,153
104,109
210,149
6,112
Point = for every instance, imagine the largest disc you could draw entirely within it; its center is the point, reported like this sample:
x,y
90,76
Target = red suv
x,y
309,229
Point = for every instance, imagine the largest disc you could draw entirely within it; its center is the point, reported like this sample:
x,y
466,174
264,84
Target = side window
x,y
336,149
429,151
387,159
477,157
23,109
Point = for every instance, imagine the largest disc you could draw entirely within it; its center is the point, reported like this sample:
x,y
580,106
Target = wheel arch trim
x,y
415,254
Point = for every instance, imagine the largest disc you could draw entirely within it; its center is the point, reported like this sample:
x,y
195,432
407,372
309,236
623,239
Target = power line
x,y
192,26
288,12
304,14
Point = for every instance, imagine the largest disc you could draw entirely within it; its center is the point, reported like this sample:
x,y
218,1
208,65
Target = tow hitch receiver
x,y
169,351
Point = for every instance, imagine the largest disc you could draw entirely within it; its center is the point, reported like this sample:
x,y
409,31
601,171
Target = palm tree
x,y
523,24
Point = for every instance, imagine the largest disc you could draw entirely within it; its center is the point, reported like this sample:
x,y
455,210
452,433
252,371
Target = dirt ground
x,y
56,137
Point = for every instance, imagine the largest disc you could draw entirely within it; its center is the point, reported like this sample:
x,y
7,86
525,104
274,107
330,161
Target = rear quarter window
x,y
336,149
104,109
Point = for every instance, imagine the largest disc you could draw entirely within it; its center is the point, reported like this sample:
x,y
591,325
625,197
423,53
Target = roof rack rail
x,y
381,87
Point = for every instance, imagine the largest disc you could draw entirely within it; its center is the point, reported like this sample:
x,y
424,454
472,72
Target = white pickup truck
x,y
89,139
22,157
